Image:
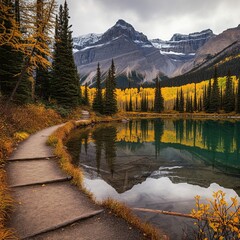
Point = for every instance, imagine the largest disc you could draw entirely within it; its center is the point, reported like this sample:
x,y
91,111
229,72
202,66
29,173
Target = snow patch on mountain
x,y
86,40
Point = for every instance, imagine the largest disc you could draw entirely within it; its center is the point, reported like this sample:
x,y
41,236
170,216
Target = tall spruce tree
x,y
229,98
177,102
195,105
181,102
158,100
214,104
98,99
86,96
208,96
130,109
110,100
65,88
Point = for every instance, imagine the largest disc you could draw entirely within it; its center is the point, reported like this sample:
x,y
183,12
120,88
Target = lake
x,y
159,164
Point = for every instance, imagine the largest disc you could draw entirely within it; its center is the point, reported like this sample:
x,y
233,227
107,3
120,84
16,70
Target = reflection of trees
x,y
237,137
105,138
179,128
74,143
158,132
144,129
228,131
96,135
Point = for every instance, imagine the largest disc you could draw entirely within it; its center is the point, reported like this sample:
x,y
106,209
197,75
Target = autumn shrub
x,y
217,219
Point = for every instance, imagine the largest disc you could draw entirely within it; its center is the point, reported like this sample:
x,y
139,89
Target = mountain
x,y
220,48
141,60
183,47
222,51
133,54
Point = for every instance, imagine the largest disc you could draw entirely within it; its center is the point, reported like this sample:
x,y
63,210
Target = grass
x,y
57,141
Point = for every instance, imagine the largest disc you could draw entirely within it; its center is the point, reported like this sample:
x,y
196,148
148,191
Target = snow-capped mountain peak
x,y
86,40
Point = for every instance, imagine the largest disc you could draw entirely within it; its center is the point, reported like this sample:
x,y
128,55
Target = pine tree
x,y
65,88
110,101
86,96
238,97
214,104
158,100
229,98
208,97
177,102
130,109
195,105
181,102
200,108
98,99
144,105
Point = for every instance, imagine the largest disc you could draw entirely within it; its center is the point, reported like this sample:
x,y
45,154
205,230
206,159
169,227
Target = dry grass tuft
x,y
126,213
56,140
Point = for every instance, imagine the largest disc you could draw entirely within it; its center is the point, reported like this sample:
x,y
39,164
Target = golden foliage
x,y
9,36
32,39
217,219
169,94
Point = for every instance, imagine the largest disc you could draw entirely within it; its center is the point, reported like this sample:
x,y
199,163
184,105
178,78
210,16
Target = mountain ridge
x,y
134,53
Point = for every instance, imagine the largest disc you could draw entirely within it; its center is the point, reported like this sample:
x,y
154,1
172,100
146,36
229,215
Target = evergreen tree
x,y
221,98
181,102
238,97
158,100
110,103
195,105
11,58
130,109
214,104
208,97
144,106
65,88
98,99
86,96
177,102
187,104
229,98
200,108
205,98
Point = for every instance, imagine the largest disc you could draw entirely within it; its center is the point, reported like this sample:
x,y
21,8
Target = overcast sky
x,y
155,18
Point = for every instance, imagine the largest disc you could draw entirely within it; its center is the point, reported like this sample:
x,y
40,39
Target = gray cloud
x,y
155,18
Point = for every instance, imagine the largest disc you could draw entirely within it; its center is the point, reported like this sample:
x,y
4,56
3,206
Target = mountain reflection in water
x,y
159,164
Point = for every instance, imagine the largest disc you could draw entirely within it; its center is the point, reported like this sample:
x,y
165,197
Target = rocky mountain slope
x,y
131,51
141,59
216,49
183,47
